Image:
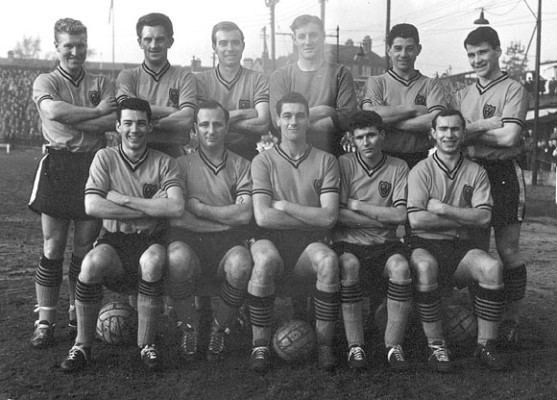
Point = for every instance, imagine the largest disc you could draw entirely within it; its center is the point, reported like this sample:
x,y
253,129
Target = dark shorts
x,y
448,253
59,186
129,247
508,191
372,259
410,158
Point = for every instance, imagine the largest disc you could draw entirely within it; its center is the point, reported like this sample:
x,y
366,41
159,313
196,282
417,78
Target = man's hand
x,y
108,105
353,204
117,198
435,206
278,205
160,194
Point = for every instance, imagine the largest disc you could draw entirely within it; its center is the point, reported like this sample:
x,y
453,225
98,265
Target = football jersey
x,y
247,89
87,90
215,184
465,186
503,97
301,181
390,89
383,185
111,169
172,86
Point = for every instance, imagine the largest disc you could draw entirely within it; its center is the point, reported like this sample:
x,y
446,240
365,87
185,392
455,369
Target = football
x,y
117,323
460,324
294,340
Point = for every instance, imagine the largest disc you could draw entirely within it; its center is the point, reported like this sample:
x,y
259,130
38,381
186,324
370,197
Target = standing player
x,y
208,243
372,205
495,109
169,89
328,88
76,108
134,189
295,197
243,92
405,99
447,195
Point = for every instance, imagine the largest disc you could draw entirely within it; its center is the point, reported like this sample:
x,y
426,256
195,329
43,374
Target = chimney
x,y
366,44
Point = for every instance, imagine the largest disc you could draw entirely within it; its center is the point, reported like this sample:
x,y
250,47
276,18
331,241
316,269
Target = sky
x,y
443,25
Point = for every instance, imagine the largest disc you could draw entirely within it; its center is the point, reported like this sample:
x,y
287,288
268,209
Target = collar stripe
x,y
224,82
215,168
65,74
156,75
401,80
133,165
370,170
483,89
294,162
451,174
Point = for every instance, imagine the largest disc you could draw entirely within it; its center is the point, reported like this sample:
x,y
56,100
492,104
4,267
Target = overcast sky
x,y
443,25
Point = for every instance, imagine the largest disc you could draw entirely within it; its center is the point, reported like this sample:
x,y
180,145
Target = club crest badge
x,y
244,104
420,100
317,184
174,97
467,195
94,97
488,111
149,190
384,188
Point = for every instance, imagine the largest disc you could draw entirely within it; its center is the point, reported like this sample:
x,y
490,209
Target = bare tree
x,y
28,47
515,61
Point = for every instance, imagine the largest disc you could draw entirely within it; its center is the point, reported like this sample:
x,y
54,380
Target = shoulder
x,y
395,162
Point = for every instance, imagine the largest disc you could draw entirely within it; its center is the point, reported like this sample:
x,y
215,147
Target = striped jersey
x,y
111,169
503,97
390,89
465,186
87,90
383,185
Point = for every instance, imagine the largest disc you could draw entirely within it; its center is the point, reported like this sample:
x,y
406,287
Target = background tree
x,y
515,61
28,47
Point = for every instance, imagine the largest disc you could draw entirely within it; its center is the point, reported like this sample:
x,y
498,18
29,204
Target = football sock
x,y
399,298
149,305
488,306
181,294
351,304
87,305
73,273
515,289
429,310
261,317
231,300
326,313
48,278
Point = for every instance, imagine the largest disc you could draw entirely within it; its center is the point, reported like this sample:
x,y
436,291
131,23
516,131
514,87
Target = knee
x,y
491,272
94,267
349,267
151,264
425,271
398,269
508,254
238,266
267,264
327,267
182,262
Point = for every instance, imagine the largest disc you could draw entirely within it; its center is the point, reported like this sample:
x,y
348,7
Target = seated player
x,y
208,242
295,198
372,205
133,189
447,195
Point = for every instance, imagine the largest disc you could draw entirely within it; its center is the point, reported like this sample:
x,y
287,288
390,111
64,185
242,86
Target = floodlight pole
x,y
387,30
537,94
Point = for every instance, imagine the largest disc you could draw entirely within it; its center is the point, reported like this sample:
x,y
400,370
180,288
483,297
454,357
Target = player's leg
x,y
149,302
321,262
267,266
477,267
399,306
183,272
234,272
48,278
351,305
428,304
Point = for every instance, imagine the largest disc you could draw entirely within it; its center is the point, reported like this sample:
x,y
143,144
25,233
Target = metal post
x,y
338,45
387,30
537,95
322,2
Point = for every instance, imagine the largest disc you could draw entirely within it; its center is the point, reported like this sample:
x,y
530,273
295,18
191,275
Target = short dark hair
x,y
133,103
483,34
155,19
449,112
365,119
305,19
70,26
225,26
406,31
211,104
292,98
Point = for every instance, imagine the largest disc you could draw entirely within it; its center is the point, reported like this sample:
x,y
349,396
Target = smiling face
x,y
448,134
133,128
403,53
72,50
293,121
369,142
484,59
211,128
309,39
229,47
155,42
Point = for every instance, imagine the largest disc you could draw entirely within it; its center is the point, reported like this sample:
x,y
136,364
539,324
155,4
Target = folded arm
x,y
66,113
235,214
385,215
169,204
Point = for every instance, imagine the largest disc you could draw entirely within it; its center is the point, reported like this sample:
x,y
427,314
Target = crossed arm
x,y
359,214
89,119
439,215
493,132
255,121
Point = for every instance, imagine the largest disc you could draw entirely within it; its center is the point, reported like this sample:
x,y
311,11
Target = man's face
x,y
229,47
310,41
293,121
403,53
155,42
72,50
133,128
368,141
211,128
484,59
448,134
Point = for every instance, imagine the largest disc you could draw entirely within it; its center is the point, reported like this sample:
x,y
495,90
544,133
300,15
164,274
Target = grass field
x,y
116,373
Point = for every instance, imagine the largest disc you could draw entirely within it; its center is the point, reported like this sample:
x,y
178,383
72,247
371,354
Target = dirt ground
x,y
117,374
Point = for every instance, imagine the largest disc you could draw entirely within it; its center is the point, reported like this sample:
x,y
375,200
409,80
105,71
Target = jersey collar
x,y
295,162
66,75
451,174
224,82
370,170
483,89
215,168
406,82
133,165
156,75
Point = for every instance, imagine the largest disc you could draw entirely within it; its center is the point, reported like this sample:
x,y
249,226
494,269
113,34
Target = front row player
x,y
295,197
372,205
133,189
447,195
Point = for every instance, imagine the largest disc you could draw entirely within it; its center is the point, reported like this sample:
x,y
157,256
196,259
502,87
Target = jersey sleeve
x,y
261,90
201,88
331,176
244,184
125,85
437,96
373,92
481,197
400,185
188,91
98,181
418,189
261,176
346,97
345,180
169,174
44,88
516,105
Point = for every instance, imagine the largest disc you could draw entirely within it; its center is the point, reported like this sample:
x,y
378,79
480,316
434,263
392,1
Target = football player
x,y
170,90
372,205
328,88
295,198
208,243
134,189
405,99
495,110
447,195
243,92
76,108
